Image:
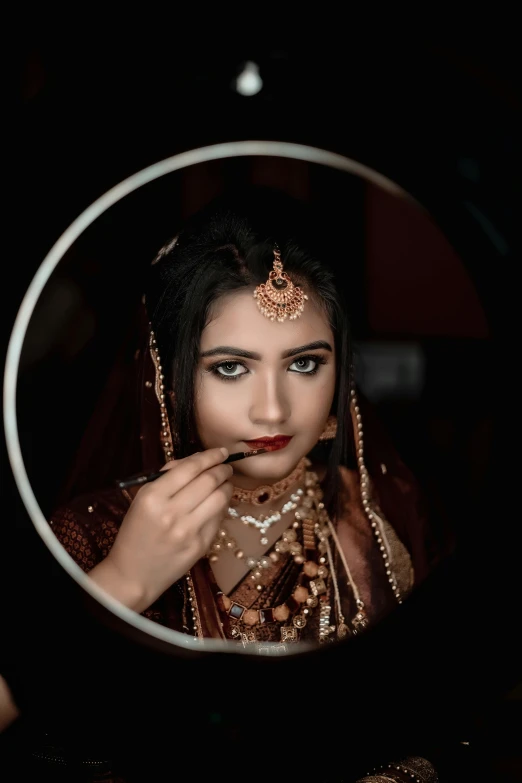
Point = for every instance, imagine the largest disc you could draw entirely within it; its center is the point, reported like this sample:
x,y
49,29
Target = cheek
x,y
318,393
311,403
214,411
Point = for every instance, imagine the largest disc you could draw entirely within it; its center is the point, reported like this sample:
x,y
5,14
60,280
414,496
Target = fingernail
x,y
225,451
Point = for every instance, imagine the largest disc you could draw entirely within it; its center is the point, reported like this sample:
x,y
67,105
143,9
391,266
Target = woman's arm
x,y
8,709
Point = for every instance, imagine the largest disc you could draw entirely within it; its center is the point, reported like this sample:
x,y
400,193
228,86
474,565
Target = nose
x,y
270,405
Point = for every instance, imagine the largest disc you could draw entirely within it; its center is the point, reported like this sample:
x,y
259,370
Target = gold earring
x,y
330,429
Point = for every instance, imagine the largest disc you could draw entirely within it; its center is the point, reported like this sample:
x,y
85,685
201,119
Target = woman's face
x,y
258,378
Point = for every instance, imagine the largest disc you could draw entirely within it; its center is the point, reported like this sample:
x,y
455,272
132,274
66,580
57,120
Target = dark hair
x,y
226,247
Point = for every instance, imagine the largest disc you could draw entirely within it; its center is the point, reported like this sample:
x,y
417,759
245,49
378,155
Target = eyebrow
x,y
229,350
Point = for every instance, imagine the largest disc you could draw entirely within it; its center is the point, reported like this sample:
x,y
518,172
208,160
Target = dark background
x,y
438,114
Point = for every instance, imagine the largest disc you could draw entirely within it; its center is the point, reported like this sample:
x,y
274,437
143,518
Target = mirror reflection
x,y
271,323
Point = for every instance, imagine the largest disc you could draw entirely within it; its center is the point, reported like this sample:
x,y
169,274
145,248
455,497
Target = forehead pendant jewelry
x,y
278,298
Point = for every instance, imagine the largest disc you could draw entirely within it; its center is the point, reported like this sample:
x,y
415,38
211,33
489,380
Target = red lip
x,y
271,444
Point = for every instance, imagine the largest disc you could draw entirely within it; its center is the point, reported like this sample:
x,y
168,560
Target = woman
x,y
248,347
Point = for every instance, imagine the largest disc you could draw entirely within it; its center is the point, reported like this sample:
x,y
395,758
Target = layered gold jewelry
x,y
315,556
268,492
278,298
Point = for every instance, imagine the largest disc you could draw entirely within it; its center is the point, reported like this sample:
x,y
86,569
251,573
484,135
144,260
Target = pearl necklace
x,y
223,541
265,522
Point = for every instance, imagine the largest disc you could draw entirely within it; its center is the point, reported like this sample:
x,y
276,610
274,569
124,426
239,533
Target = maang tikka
x,y
278,298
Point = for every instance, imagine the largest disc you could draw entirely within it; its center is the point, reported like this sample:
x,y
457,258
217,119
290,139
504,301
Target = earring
x,y
330,429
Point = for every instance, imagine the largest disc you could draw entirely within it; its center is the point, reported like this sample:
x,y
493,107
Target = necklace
x,y
267,492
265,522
292,614
224,542
314,555
287,543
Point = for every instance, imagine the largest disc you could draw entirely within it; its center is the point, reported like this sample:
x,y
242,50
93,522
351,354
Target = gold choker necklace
x,y
269,492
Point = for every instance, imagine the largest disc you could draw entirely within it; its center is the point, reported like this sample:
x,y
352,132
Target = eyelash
x,y
215,371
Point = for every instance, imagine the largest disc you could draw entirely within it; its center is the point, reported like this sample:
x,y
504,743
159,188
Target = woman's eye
x,y
229,369
305,365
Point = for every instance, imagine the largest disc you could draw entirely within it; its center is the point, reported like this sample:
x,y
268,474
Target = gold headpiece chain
x,y
278,298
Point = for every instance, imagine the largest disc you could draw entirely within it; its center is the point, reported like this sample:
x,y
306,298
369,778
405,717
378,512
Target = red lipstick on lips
x,y
270,444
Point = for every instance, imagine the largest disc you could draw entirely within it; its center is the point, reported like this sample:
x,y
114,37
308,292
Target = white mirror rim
x,y
44,272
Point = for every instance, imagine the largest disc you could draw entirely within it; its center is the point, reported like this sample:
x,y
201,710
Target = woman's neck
x,y
256,510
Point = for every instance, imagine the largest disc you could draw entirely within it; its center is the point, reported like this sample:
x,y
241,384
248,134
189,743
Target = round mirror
x,y
298,558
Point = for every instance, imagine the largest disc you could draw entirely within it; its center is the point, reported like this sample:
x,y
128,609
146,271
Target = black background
x,y
96,102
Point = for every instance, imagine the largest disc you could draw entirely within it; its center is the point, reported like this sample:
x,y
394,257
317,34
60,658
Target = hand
x,y
170,525
8,709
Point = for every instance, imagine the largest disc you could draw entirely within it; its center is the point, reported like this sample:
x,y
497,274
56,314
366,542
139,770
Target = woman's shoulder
x,y
88,524
94,508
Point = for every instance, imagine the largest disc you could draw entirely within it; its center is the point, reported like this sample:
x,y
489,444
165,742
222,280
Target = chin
x,y
270,467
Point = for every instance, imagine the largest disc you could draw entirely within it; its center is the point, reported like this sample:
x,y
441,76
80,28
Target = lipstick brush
x,y
146,478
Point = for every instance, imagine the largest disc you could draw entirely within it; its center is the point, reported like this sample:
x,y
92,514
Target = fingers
x,y
181,472
199,489
206,517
